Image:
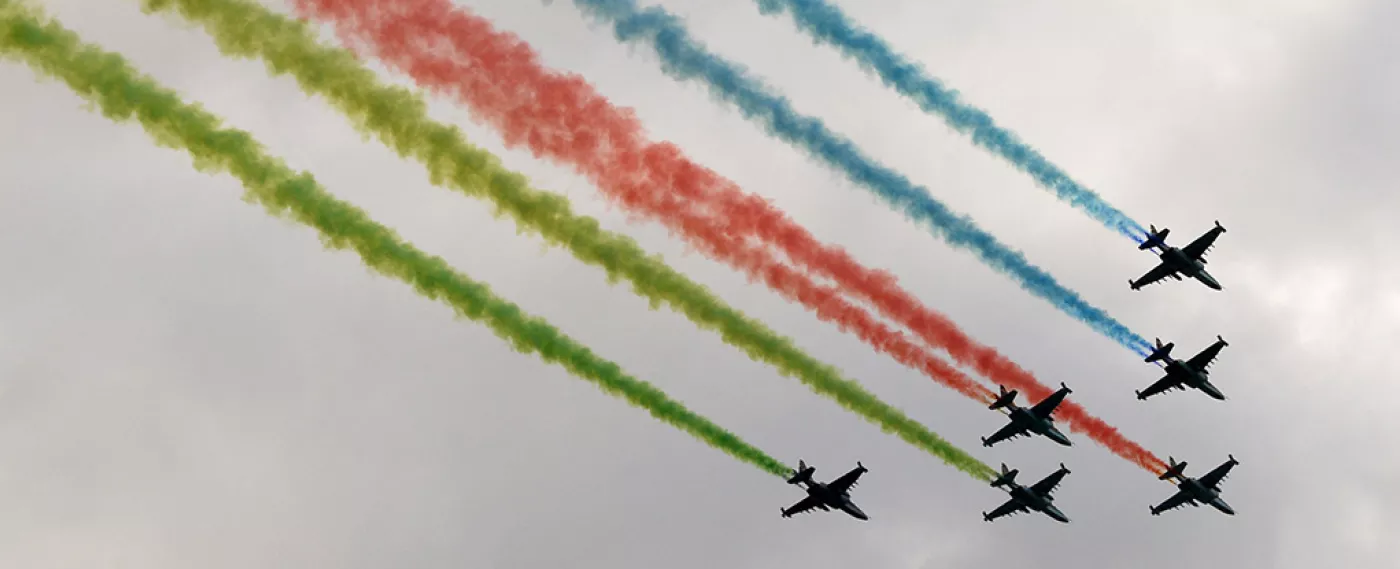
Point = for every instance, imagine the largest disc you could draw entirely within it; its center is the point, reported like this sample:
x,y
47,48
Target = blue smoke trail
x,y
827,24
683,58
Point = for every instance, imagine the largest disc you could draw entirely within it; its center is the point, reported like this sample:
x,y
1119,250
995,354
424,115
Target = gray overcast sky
x,y
187,382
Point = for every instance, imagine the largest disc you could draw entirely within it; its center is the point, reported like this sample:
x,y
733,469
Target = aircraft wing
x,y
1048,484
1048,405
1167,382
1010,507
1159,272
1197,249
1212,479
1179,499
1207,356
805,505
846,481
1006,432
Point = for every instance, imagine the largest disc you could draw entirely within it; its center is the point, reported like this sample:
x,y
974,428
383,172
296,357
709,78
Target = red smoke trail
x,y
498,76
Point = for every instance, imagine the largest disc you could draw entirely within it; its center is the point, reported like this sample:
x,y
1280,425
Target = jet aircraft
x,y
1194,491
1037,497
834,494
1183,374
1189,260
1025,421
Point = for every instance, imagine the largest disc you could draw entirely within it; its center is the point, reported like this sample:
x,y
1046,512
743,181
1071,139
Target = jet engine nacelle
x,y
1162,352
1006,399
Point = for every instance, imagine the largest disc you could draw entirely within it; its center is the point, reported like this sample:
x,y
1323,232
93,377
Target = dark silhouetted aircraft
x,y
1205,490
1025,421
1189,260
835,494
1183,374
1023,499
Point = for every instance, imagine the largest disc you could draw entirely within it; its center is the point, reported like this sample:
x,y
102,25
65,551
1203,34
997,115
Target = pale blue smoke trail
x,y
685,59
827,24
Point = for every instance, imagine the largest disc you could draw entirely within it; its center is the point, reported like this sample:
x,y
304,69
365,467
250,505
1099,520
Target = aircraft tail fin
x,y
1176,470
1008,476
1006,399
1155,238
1162,352
803,473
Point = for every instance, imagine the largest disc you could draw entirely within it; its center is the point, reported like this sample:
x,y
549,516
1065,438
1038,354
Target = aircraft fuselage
x,y
1034,424
830,499
1197,378
1187,266
1038,503
1202,494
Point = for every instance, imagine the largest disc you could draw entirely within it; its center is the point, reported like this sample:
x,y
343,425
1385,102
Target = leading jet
x,y
834,494
1196,491
1025,421
1183,374
1037,497
1189,260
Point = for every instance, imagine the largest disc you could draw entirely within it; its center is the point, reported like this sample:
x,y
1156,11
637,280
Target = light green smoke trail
x,y
122,93
399,119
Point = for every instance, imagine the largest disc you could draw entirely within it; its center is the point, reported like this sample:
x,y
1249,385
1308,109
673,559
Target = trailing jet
x,y
1024,422
1194,491
1183,374
1023,499
835,494
1189,260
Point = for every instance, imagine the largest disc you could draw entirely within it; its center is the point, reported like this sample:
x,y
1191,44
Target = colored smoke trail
x,y
399,119
827,24
498,77
685,59
123,94
419,37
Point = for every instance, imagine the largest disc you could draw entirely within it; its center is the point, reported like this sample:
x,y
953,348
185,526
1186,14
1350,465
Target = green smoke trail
x,y
122,93
399,119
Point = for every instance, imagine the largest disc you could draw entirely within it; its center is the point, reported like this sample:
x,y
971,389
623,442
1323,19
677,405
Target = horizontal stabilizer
x,y
1008,476
1161,353
1177,470
1006,399
803,473
1155,238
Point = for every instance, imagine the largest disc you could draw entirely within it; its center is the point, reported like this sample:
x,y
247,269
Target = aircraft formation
x,y
460,55
1178,263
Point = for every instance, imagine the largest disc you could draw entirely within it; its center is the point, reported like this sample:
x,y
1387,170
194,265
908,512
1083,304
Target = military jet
x,y
1025,421
1183,374
1189,260
835,494
1023,499
1205,490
